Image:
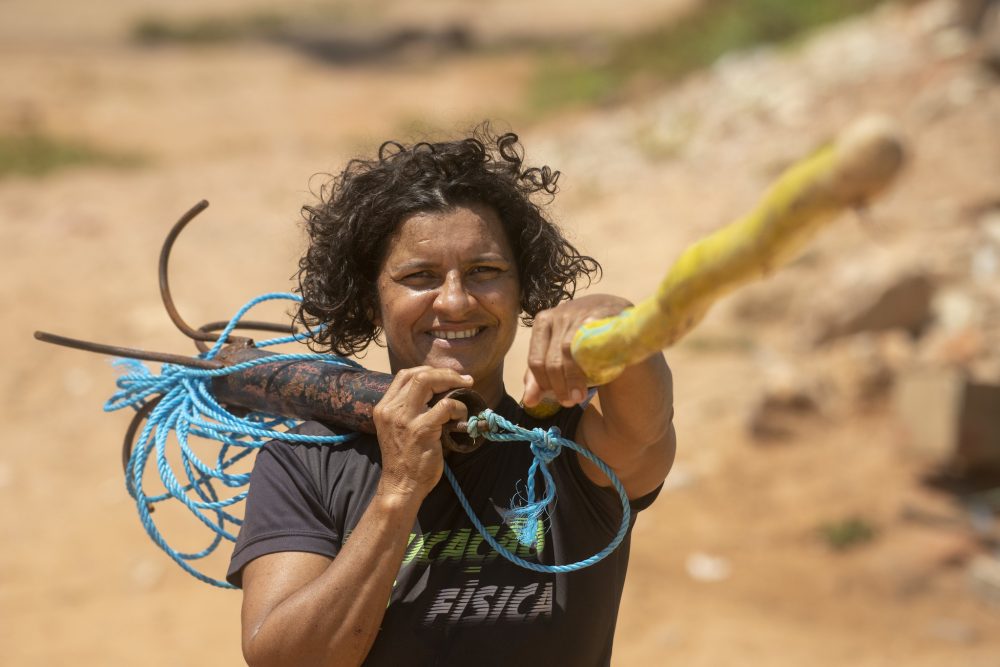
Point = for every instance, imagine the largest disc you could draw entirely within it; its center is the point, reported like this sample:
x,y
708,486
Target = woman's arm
x,y
305,609
632,429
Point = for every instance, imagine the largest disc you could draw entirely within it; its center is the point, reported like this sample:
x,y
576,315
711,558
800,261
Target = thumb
x,y
446,410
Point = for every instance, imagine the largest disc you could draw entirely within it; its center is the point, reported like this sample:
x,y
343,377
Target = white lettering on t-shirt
x,y
473,604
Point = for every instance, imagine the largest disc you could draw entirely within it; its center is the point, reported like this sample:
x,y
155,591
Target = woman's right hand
x,y
409,428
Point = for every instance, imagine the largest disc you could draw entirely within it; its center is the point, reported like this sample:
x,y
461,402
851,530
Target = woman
x,y
362,554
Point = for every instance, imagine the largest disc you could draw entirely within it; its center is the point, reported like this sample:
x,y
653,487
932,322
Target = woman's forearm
x,y
633,431
638,406
334,618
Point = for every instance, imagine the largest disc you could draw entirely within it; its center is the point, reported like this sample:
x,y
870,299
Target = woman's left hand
x,y
552,372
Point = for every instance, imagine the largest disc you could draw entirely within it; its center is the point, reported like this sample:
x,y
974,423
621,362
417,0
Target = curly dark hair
x,y
359,211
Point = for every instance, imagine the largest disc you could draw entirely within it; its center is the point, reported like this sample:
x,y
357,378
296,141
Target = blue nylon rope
x,y
546,446
187,408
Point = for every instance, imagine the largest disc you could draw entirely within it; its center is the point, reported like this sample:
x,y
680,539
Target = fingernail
x,y
467,377
577,396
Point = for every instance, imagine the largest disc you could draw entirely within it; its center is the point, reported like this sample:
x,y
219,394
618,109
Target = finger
x,y
401,379
444,411
538,348
575,378
564,375
555,367
422,385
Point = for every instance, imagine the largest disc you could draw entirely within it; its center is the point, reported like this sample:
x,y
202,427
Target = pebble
x,y
705,567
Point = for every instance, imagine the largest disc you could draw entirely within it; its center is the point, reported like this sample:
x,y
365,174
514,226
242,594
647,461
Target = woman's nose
x,y
453,299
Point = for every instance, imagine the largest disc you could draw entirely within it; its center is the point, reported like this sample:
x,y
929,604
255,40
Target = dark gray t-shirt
x,y
455,600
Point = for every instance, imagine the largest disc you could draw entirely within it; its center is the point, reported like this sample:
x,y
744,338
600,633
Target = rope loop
x,y
526,518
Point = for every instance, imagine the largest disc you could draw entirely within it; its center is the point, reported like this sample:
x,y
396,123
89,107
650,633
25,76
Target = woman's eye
x,y
418,277
486,270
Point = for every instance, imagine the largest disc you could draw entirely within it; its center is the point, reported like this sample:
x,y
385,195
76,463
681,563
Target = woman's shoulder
x,y
325,461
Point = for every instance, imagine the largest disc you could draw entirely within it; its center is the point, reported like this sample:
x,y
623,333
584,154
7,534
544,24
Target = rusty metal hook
x,y
129,444
204,333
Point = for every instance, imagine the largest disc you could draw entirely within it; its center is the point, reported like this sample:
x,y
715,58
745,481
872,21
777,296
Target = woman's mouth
x,y
459,334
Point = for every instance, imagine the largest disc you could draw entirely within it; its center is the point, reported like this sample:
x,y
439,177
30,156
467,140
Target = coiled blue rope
x,y
186,407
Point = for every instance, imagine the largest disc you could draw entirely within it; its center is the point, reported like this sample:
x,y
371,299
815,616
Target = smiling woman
x,y
439,249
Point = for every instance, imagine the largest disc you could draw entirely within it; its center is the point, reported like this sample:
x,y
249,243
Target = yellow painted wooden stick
x,y
846,173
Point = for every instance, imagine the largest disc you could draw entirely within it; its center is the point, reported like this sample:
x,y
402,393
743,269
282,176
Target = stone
x,y
984,578
949,420
958,347
971,15
902,302
953,630
788,394
955,309
989,39
707,567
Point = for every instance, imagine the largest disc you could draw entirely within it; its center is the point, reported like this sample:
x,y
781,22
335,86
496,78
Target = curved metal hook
x,y
205,333
137,419
140,416
168,301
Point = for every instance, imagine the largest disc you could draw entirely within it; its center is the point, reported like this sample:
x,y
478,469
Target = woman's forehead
x,y
473,229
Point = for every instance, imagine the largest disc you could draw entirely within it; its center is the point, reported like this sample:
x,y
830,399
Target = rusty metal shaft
x,y
310,390
320,391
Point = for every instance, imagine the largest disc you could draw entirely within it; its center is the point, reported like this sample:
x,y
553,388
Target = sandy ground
x,y
246,125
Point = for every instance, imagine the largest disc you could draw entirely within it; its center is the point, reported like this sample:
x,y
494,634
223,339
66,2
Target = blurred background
x,y
835,495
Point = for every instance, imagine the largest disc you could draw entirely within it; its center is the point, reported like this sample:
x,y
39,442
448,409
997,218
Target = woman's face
x,y
449,294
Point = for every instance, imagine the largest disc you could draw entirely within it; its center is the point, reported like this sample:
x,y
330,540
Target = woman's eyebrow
x,y
490,257
419,264
414,264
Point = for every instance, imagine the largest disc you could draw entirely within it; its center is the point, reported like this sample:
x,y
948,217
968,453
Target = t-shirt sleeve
x,y
284,512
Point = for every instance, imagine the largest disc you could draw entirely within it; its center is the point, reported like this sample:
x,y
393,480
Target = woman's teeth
x,y
452,335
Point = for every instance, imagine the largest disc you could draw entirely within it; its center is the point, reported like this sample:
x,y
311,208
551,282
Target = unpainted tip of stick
x,y
872,153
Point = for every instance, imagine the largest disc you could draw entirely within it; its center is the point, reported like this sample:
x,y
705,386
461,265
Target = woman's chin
x,y
458,365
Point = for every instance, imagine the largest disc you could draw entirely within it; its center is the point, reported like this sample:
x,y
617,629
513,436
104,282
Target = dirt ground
x,y
246,125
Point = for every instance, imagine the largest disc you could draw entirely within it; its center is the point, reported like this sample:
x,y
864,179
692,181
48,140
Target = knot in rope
x,y
482,424
545,446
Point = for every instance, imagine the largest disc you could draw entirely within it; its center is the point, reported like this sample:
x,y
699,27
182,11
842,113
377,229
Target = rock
x,y
958,347
953,630
681,477
984,578
146,574
949,420
955,309
989,222
788,393
984,264
980,21
989,39
902,302
861,370
971,15
706,567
